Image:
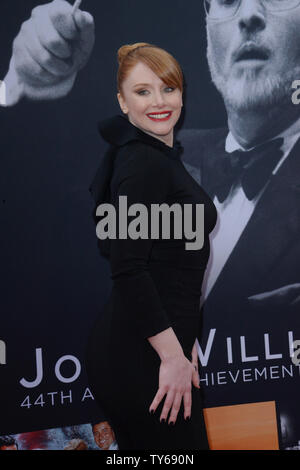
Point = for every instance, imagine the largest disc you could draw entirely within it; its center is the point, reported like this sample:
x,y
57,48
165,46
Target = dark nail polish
x,y
152,412
163,420
172,422
187,418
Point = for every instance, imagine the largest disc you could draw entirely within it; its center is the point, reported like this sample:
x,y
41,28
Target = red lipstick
x,y
160,117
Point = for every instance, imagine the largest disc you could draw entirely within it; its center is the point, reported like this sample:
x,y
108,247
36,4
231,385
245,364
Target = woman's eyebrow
x,y
141,84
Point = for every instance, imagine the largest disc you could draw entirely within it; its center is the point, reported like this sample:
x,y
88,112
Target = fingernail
x,y
163,420
152,412
88,17
172,422
187,418
84,19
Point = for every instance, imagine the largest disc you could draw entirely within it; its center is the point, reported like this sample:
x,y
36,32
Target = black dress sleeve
x,y
144,177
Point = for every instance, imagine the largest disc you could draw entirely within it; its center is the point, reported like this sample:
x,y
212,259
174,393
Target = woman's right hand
x,y
176,377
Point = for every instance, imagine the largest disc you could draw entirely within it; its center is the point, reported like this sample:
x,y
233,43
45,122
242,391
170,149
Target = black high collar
x,y
119,131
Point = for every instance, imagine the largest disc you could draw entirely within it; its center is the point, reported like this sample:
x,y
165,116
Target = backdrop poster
x,y
54,282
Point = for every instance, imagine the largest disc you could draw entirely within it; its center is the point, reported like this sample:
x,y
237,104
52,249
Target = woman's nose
x,y
158,99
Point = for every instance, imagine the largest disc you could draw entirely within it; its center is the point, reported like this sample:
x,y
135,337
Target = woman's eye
x,y
142,92
169,89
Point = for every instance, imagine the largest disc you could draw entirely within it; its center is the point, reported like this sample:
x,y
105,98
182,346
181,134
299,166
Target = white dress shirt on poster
x,y
235,212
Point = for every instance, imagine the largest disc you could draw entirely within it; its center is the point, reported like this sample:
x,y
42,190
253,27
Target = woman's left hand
x,y
194,361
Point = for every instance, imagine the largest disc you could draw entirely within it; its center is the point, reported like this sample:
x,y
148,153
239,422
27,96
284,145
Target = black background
x,y
53,281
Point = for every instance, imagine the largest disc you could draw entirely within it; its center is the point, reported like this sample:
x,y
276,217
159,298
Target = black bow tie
x,y
252,168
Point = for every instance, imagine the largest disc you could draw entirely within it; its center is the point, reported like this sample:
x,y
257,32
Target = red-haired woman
x,y
142,359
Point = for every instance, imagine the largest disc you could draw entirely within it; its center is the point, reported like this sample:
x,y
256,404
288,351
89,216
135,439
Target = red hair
x,y
163,64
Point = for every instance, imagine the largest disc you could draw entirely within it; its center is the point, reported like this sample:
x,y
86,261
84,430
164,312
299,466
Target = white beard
x,y
252,90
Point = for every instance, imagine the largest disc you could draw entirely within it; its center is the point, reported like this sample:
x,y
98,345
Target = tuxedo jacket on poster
x,y
266,257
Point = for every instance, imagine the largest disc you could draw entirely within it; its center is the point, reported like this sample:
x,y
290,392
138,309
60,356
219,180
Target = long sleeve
x,y
144,177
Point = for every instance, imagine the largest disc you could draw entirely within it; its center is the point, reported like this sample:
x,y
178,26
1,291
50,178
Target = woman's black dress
x,y
156,285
